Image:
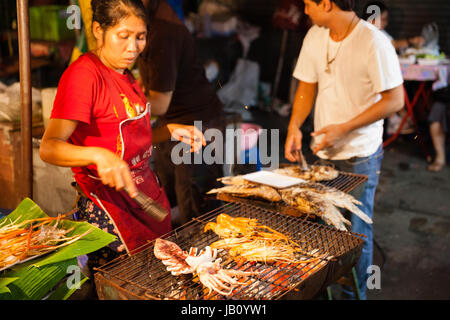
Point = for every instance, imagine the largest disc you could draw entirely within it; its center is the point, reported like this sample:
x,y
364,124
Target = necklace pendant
x,y
327,69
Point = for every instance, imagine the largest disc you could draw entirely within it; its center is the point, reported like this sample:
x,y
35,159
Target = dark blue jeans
x,y
371,167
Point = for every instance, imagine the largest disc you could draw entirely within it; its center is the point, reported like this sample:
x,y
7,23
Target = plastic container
x,y
48,97
35,23
249,144
250,134
407,60
428,62
50,23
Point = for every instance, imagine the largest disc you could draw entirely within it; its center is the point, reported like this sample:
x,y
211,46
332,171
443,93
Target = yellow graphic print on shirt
x,y
132,110
119,146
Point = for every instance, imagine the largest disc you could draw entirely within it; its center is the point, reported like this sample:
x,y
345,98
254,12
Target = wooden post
x,y
279,68
25,98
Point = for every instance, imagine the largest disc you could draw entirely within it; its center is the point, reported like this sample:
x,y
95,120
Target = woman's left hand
x,y
187,134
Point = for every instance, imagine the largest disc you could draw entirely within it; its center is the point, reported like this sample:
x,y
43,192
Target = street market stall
x,y
261,250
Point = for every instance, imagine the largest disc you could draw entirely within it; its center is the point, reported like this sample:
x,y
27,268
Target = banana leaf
x,y
4,283
35,283
63,292
91,242
34,279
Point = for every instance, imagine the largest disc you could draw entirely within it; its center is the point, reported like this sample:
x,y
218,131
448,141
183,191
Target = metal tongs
x,y
152,208
301,161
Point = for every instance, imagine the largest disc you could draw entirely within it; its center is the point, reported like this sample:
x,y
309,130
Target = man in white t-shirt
x,y
349,70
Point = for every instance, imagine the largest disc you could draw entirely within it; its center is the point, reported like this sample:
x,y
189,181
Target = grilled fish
x,y
312,203
235,181
338,198
249,190
314,172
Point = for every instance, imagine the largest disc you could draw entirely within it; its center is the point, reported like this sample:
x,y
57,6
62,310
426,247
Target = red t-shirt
x,y
84,95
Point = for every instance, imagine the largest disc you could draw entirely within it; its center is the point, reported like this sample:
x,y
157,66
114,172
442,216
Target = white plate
x,y
272,179
428,62
407,60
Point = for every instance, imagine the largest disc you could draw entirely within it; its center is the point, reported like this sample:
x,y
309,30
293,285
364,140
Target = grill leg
x,y
355,284
352,281
329,294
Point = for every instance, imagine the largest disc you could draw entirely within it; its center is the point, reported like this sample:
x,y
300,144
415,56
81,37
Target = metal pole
x,y
26,180
279,68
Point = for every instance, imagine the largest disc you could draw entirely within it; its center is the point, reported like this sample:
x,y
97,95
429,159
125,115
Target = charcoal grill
x,y
142,276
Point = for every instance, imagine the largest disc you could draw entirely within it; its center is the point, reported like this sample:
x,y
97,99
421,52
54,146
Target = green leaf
x,y
35,279
91,242
26,210
4,290
63,292
35,283
4,282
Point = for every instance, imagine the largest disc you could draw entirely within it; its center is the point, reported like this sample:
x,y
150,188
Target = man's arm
x,y
159,101
303,102
391,101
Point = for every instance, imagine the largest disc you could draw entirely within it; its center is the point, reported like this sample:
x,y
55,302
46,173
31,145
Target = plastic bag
x,y
10,103
430,34
242,87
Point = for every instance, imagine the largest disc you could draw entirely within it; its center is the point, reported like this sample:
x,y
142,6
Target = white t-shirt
x,y
365,66
387,35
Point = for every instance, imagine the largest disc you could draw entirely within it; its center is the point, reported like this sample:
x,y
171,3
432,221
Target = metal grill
x,y
346,182
143,276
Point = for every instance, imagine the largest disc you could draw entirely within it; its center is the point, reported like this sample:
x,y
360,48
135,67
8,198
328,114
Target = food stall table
x,y
424,74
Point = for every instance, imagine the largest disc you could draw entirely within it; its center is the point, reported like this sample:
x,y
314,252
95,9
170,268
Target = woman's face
x,y
120,46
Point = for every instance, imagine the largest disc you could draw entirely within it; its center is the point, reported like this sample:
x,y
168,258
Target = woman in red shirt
x,y
100,126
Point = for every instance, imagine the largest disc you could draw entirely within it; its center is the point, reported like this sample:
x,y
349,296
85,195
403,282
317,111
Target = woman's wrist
x,y
96,155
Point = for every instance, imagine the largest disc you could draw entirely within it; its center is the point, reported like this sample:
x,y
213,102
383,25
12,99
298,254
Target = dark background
x,y
407,17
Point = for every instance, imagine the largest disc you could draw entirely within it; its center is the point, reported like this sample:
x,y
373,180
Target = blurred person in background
x,y
175,83
381,22
438,128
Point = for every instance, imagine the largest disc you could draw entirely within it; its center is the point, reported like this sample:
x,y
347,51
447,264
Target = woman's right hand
x,y
293,143
114,172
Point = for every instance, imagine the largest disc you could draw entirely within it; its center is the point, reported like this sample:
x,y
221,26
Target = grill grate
x,y
145,276
346,181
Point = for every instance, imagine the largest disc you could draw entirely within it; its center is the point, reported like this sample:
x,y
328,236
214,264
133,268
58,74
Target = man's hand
x,y
293,144
332,134
187,134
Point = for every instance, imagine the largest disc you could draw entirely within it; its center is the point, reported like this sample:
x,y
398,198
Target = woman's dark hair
x,y
152,7
345,5
365,15
109,12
